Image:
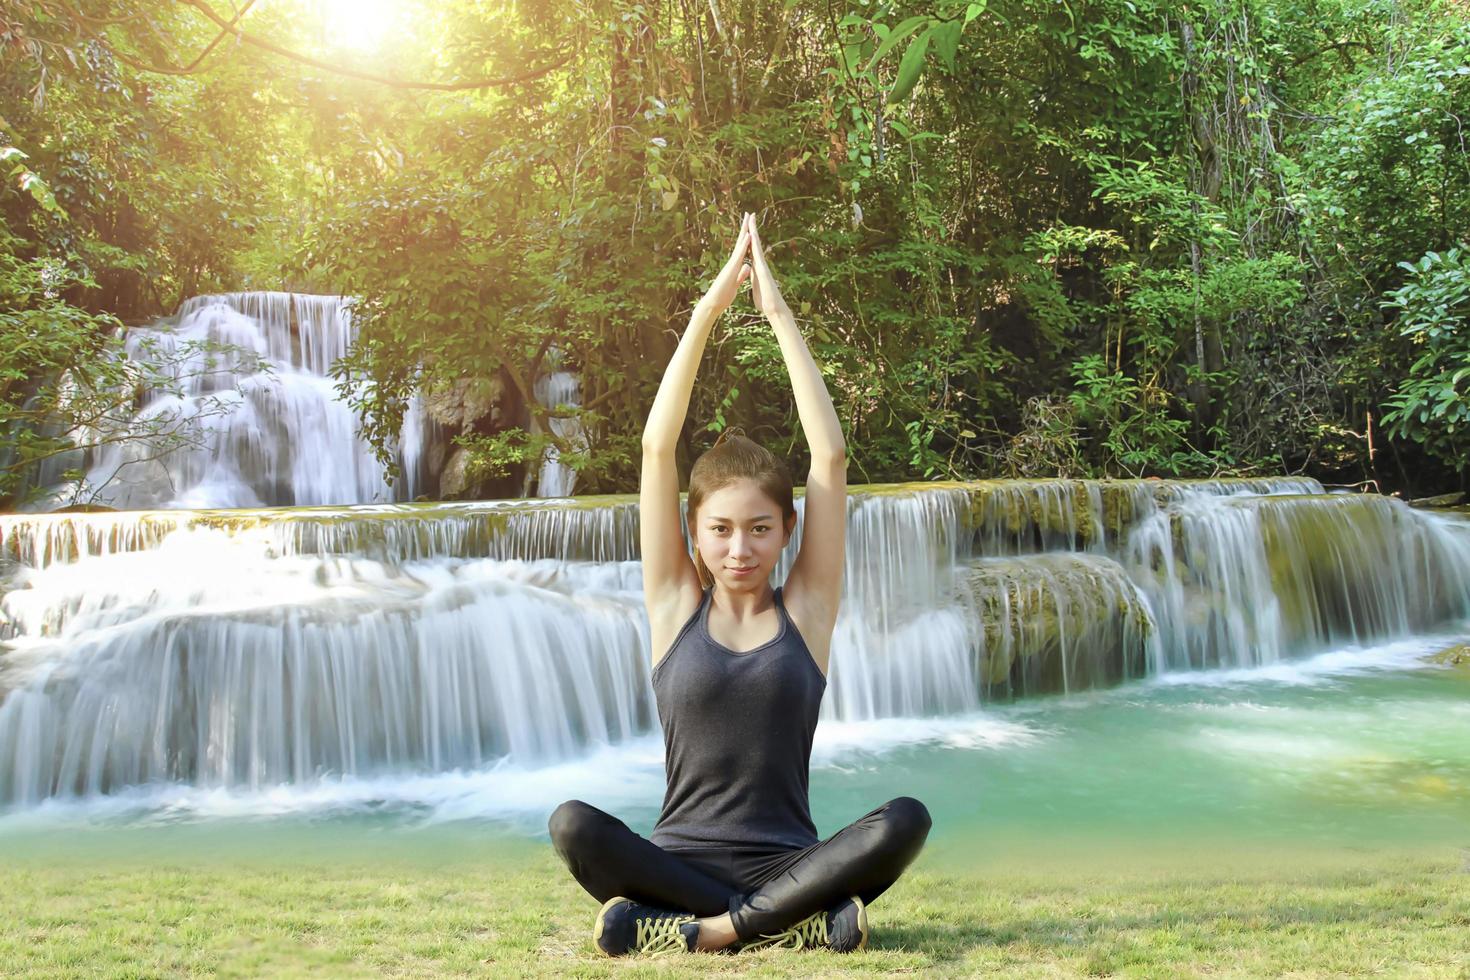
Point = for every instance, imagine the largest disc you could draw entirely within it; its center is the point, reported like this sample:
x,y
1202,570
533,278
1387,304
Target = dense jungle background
x,y
1024,237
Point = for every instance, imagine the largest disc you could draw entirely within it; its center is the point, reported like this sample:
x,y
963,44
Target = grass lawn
x,y
511,910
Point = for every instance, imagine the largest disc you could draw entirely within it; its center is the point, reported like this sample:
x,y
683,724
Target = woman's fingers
x,y
763,286
757,253
742,244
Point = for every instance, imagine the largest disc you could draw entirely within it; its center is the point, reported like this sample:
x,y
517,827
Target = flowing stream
x,y
1158,655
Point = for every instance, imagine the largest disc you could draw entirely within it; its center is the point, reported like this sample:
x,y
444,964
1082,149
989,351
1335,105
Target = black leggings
x,y
765,890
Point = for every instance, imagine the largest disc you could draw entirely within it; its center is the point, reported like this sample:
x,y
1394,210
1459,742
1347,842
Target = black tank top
x,y
737,738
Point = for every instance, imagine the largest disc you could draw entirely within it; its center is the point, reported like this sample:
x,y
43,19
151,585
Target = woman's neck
x,y
741,606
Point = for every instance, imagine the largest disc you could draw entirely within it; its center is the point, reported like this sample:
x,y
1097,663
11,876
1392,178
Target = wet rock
x,y
465,402
1442,500
454,478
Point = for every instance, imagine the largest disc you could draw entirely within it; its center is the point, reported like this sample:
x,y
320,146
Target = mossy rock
x,y
1381,779
1055,623
1457,656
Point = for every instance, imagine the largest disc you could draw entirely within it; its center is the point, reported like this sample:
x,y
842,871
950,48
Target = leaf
x,y
974,10
900,32
947,41
40,192
910,67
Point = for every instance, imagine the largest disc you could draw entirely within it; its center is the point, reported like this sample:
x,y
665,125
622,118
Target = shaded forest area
x,y
1024,237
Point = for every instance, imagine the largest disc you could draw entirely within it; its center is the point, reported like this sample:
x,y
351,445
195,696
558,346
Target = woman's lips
x,y
742,571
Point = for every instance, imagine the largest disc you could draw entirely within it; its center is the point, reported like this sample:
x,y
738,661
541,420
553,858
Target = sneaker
x,y
843,929
624,926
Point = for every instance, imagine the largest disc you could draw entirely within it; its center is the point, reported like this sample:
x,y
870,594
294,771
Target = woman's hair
x,y
734,457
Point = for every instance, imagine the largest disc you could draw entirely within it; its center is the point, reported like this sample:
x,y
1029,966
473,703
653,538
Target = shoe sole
x,y
597,926
862,923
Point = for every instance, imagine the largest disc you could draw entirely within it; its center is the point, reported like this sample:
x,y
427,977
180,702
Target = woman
x,y
739,672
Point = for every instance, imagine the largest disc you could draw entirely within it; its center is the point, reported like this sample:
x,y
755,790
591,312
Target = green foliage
x,y
1114,237
28,181
498,455
1132,422
1432,405
1387,178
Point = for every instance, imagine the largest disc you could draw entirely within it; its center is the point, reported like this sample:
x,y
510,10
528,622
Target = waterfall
x,y
559,388
252,647
1253,580
260,425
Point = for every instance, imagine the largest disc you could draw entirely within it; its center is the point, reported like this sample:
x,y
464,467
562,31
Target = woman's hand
x,y
764,291
722,291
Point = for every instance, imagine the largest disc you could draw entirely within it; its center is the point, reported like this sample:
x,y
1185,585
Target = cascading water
x,y
559,388
261,423
249,648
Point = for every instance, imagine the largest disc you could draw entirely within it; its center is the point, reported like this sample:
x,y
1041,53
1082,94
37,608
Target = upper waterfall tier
x,y
251,415
943,521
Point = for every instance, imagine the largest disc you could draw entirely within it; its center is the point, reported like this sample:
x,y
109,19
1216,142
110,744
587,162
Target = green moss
x,y
1118,506
1082,507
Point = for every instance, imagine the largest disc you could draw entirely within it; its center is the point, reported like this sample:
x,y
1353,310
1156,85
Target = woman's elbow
x,y
832,456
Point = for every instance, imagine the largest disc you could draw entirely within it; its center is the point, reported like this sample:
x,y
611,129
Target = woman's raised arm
x,y
670,582
815,582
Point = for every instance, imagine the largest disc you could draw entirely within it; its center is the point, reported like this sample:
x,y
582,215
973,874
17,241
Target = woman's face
x,y
740,534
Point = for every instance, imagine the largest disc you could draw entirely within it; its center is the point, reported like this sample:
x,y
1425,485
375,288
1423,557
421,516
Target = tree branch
x,y
190,68
1335,46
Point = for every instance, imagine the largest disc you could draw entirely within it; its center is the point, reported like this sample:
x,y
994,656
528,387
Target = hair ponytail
x,y
729,431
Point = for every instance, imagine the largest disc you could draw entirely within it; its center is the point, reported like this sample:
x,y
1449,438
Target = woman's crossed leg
x,y
737,895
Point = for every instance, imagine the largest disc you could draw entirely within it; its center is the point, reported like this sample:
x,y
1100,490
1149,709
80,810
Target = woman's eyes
x,y
720,528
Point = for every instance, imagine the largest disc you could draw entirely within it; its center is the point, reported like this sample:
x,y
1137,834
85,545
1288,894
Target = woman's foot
x,y
624,926
843,929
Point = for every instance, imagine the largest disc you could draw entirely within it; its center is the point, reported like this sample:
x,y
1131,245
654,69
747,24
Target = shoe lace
x,y
660,934
811,931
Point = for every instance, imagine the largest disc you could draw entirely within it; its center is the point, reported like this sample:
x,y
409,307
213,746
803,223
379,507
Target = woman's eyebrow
x,y
763,517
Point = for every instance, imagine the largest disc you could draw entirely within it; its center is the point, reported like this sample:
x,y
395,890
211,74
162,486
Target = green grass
x,y
511,910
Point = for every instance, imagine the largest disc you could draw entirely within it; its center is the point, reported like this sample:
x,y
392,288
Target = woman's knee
x,y
573,825
906,821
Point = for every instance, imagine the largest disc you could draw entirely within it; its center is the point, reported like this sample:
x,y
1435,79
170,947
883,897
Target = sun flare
x,y
363,25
